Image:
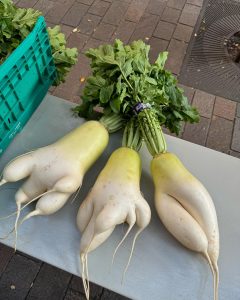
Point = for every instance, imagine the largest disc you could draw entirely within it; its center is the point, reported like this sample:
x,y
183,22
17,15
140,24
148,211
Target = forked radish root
x,y
56,171
186,209
114,199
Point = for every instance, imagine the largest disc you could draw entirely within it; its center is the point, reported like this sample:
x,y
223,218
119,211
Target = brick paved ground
x,y
165,25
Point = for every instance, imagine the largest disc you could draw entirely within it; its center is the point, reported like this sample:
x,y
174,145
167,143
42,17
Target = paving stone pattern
x,y
165,25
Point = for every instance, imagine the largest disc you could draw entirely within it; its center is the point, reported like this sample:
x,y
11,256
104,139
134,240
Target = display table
x,y
161,269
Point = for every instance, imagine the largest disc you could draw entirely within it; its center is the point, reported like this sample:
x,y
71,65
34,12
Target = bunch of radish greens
x,y
146,96
15,25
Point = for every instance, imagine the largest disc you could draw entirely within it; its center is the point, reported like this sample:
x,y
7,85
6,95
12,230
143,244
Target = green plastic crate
x,y
25,78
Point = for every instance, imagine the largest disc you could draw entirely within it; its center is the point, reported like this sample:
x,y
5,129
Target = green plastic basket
x,y
25,78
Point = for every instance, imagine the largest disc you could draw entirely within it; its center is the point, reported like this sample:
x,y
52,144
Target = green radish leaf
x,y
192,114
177,115
151,80
119,85
123,94
118,45
172,95
125,106
139,64
115,105
97,81
127,68
106,93
108,50
161,60
161,117
112,72
109,60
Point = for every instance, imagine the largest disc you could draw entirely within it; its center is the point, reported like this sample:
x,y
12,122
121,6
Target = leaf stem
x,y
131,137
150,127
112,122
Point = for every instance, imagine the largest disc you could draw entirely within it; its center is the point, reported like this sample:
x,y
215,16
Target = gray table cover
x,y
161,269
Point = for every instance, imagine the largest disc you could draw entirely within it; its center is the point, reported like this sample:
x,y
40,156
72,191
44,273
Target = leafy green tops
x,y
122,76
17,23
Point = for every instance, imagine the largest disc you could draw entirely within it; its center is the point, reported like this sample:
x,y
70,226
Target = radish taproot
x,y
181,196
186,209
56,171
115,198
